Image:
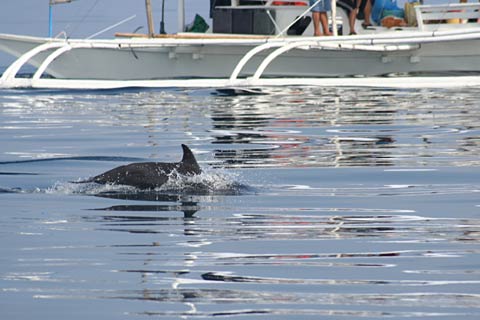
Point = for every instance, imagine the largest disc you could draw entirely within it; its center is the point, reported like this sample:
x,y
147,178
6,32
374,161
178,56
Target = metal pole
x,y
298,18
148,7
50,18
162,23
334,18
51,3
112,26
181,15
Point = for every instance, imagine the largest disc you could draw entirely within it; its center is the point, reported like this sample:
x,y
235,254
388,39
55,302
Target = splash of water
x,y
210,181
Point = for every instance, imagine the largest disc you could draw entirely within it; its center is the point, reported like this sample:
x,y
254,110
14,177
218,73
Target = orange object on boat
x,y
289,3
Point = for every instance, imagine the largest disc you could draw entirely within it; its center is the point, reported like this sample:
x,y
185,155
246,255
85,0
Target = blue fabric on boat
x,y
322,6
382,5
399,13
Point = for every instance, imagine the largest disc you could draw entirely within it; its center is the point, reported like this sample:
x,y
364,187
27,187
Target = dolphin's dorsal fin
x,y
189,161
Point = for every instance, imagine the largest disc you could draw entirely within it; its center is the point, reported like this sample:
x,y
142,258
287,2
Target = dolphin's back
x,y
144,175
150,175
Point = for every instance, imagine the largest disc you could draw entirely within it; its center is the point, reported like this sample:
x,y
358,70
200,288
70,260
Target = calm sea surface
x,y
316,204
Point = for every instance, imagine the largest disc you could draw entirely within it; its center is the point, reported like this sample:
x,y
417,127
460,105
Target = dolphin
x,y
150,175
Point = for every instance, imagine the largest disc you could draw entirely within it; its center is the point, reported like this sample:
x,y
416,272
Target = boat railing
x,y
459,15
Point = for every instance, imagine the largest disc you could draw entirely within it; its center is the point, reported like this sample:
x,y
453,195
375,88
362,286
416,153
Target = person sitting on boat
x,y
319,14
365,12
352,7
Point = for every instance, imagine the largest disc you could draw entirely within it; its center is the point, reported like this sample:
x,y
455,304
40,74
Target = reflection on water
x,y
356,262
289,127
291,225
182,203
346,128
393,233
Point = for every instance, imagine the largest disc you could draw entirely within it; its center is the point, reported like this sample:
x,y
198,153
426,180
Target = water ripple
x,y
344,203
304,127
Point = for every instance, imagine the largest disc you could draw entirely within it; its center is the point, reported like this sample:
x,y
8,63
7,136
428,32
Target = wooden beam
x,y
148,7
191,36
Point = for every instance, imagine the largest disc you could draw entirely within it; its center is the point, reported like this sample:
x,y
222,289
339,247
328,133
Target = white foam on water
x,y
398,186
88,188
209,181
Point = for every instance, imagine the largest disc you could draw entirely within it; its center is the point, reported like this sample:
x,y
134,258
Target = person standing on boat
x,y
365,7
319,14
351,7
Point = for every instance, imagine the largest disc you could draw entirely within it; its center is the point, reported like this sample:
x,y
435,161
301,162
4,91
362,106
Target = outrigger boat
x,y
252,45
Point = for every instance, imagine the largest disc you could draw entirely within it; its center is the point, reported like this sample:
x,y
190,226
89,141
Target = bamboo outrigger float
x,y
434,47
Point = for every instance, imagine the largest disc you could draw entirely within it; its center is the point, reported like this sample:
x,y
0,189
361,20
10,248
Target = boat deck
x,y
192,36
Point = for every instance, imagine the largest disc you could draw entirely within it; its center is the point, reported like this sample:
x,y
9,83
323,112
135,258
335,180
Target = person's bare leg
x,y
367,13
324,22
351,20
316,24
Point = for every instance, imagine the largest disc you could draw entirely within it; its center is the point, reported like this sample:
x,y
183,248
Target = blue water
x,y
320,204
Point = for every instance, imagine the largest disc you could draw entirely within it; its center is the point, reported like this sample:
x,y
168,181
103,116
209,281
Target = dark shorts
x,y
347,4
352,4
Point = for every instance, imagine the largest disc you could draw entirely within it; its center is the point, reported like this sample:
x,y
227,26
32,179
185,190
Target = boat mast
x,y
334,18
51,3
162,23
181,15
50,19
148,7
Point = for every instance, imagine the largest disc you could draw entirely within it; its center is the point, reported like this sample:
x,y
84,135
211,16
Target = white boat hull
x,y
219,62
435,46
213,58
